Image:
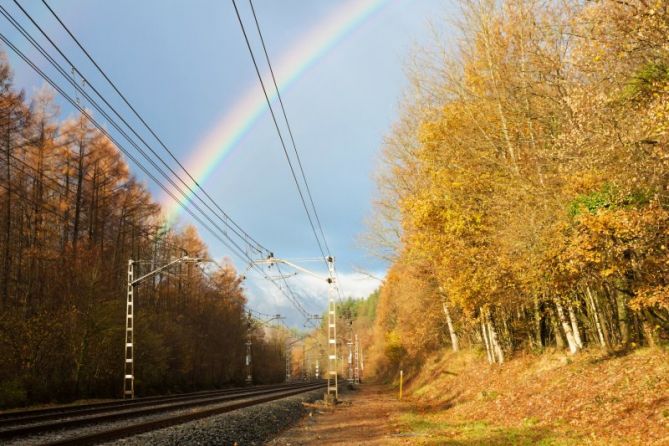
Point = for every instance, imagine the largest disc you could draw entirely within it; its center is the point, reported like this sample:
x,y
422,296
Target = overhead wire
x,y
228,243
226,220
238,251
289,128
143,121
147,126
277,127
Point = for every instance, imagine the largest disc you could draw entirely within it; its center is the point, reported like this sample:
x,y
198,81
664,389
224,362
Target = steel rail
x,y
140,428
127,413
35,415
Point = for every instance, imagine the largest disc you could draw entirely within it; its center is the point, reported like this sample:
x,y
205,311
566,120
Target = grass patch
x,y
432,430
427,389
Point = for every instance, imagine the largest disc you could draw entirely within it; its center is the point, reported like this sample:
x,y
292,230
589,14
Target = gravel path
x,y
368,416
249,426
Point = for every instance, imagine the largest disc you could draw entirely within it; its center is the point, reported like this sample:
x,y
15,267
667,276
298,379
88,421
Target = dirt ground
x,y
363,417
594,399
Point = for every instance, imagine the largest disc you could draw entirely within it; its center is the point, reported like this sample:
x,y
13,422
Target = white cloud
x,y
310,291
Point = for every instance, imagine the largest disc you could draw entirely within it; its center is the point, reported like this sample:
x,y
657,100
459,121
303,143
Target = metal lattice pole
x,y
249,377
356,362
332,315
362,363
129,346
288,361
350,361
129,369
332,333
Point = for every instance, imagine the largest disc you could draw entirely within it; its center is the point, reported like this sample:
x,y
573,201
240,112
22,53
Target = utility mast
x,y
362,363
129,367
332,314
289,358
332,331
356,361
248,360
249,376
350,361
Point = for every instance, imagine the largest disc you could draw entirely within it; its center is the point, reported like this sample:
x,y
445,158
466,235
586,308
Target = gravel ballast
x,y
248,426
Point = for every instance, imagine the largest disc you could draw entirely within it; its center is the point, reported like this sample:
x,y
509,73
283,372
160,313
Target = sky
x,y
185,67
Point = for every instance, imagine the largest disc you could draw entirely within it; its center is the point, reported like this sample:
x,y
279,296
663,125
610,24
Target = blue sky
x,y
184,63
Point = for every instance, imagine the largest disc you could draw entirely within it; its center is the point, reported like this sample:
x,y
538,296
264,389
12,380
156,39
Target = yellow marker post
x,y
401,378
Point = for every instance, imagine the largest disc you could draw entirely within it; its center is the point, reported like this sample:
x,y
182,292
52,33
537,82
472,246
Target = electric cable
x,y
278,130
226,220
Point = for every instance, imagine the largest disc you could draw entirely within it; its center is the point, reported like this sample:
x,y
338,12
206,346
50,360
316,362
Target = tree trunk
x,y
486,341
451,328
537,322
78,196
494,341
8,222
648,331
559,339
623,322
571,341
595,314
498,353
574,326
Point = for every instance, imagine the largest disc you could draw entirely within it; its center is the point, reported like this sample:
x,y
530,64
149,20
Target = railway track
x,y
118,419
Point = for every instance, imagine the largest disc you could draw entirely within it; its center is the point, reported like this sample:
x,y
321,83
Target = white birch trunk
x,y
494,341
574,327
573,348
497,93
595,314
451,329
486,341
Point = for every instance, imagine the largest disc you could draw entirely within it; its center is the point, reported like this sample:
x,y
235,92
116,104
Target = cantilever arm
x,y
272,260
184,259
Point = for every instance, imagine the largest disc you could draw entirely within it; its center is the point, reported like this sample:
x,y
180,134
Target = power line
x,y
295,299
226,221
290,132
245,235
278,130
143,121
233,246
288,126
229,244
291,298
74,103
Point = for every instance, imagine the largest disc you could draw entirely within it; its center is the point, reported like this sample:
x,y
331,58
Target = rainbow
x,y
221,140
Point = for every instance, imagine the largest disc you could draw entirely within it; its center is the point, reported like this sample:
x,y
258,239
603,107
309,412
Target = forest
x,y
523,194
72,215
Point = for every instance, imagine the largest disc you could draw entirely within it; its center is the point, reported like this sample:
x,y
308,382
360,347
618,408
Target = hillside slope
x,y
548,399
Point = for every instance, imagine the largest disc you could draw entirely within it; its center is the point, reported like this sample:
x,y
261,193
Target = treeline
x,y
71,216
524,195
